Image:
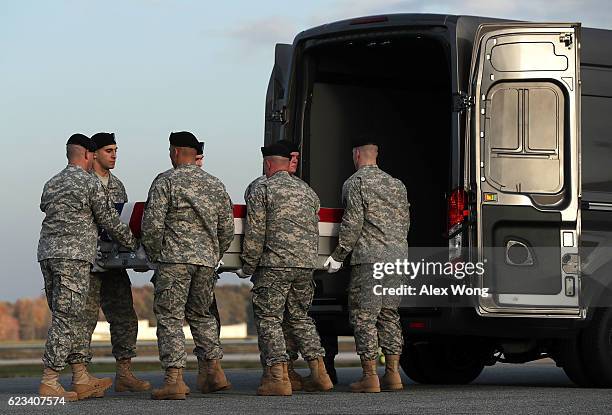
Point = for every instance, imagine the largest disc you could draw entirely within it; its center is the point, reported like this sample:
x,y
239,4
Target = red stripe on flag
x,y
330,215
240,211
136,219
325,214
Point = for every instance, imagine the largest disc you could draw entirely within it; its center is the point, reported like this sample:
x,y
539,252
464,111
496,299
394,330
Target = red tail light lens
x,y
369,20
457,207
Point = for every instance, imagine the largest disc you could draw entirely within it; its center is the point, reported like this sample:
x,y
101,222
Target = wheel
x,y
448,361
409,361
572,362
596,344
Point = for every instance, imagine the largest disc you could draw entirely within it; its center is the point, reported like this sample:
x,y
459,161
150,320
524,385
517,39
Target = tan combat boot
x,y
369,381
294,377
202,371
265,374
50,386
215,377
86,385
125,381
318,380
275,384
174,387
391,381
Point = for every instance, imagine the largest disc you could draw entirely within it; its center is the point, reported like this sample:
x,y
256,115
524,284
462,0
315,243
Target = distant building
x,y
146,332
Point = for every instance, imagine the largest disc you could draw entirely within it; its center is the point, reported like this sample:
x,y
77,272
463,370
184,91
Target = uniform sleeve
x,y
154,217
352,220
255,232
108,218
124,193
225,224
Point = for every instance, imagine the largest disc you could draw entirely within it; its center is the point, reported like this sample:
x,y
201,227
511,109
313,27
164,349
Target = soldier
x,y
292,349
187,226
112,289
280,248
73,202
375,229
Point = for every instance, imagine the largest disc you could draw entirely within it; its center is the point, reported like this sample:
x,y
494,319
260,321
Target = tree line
x,y
29,318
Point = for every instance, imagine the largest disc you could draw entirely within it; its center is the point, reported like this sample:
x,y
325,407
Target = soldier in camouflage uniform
x,y
74,204
292,348
375,229
280,249
112,289
188,225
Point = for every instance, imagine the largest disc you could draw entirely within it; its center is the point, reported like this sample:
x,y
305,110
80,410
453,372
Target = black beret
x,y
293,148
363,140
103,139
184,139
276,149
83,141
200,148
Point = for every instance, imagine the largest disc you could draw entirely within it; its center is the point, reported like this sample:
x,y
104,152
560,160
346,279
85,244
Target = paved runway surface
x,y
512,389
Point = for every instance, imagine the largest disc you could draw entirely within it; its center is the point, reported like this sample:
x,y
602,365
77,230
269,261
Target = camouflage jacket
x,y
160,175
282,225
115,190
74,202
376,218
253,185
188,218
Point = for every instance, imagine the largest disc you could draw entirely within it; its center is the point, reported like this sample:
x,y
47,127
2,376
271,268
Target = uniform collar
x,y
369,166
279,173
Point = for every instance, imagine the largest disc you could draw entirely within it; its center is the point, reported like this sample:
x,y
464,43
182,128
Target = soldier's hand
x,y
332,265
219,265
241,273
98,253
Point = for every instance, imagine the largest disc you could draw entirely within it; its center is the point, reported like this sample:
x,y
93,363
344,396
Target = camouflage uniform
x,y
214,310
375,228
112,290
73,202
290,342
280,248
187,226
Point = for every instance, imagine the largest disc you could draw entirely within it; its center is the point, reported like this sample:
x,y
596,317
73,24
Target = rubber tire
x,y
572,361
409,361
596,344
451,361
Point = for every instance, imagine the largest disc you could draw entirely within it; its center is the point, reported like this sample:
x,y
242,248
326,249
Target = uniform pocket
x,y
67,298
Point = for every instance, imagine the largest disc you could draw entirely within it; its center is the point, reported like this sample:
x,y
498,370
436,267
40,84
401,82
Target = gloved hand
x,y
141,254
98,253
332,265
219,265
241,273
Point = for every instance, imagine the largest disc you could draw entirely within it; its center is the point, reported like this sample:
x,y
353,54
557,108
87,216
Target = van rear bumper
x,y
333,319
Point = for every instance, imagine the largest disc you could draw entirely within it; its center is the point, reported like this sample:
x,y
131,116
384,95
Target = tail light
x,y
369,20
457,213
457,208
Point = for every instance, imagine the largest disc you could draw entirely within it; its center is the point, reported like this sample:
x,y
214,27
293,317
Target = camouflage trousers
x,y
185,292
66,286
374,318
112,290
284,294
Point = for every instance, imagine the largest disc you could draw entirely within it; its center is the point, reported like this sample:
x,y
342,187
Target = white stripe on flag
x,y
126,213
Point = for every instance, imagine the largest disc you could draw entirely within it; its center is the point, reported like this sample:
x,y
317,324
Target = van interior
x,y
397,88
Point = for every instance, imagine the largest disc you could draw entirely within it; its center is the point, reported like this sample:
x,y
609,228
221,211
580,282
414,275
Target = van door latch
x,y
567,39
461,101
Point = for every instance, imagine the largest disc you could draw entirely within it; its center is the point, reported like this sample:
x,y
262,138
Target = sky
x,y
143,68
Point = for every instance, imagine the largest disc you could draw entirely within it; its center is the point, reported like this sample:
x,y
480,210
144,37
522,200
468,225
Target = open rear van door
x,y
525,135
275,115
